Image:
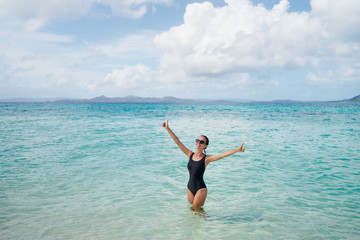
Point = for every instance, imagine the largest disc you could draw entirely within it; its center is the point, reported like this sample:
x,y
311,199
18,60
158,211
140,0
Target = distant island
x,y
354,99
127,99
165,100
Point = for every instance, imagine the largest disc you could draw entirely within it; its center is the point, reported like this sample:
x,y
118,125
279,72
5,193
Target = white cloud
x,y
130,77
38,61
130,44
144,81
237,37
241,38
138,80
226,49
34,73
341,17
234,48
340,75
37,13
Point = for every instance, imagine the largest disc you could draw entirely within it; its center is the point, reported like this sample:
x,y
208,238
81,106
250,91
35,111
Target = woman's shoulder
x,y
208,158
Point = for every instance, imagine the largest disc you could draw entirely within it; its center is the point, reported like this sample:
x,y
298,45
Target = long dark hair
x,y
207,141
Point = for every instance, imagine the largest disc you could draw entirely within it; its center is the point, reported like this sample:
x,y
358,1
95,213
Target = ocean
x,y
111,171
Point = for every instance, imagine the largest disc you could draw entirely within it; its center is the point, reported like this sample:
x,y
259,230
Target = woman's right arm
x,y
185,150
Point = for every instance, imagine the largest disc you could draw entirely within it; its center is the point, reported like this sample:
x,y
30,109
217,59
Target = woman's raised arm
x,y
176,139
213,158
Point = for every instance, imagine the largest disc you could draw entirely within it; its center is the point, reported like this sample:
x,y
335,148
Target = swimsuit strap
x,y
191,157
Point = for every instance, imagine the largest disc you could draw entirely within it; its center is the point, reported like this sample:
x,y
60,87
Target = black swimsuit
x,y
196,172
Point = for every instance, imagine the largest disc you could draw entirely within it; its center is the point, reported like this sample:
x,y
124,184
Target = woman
x,y
198,161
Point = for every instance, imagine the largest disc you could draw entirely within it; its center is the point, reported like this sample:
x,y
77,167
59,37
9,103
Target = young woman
x,y
198,161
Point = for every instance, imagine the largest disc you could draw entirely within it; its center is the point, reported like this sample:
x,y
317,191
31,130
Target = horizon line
x,y
239,100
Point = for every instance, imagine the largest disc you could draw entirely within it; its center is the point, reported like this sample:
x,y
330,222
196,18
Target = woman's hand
x,y
242,148
165,124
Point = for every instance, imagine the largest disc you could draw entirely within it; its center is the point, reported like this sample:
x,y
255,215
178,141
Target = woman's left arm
x,y
213,158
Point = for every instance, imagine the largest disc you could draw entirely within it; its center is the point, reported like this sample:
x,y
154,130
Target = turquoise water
x,y
102,171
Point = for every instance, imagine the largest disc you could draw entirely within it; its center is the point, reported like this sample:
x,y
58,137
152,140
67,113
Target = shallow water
x,y
111,171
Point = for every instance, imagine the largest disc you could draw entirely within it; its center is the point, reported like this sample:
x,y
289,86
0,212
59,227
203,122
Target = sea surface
x,y
110,171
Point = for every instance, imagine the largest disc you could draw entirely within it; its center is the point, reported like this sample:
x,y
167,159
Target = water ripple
x,y
110,171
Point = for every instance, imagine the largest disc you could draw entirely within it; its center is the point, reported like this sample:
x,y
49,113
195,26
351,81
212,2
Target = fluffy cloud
x,y
46,64
241,37
141,42
38,73
139,80
144,81
231,47
37,13
341,17
239,47
342,74
130,77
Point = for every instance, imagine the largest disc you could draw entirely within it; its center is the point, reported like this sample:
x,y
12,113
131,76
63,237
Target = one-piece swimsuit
x,y
196,172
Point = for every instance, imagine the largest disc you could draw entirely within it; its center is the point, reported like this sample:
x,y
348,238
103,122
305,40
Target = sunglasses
x,y
199,141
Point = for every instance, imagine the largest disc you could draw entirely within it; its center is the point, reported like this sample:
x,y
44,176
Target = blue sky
x,y
223,49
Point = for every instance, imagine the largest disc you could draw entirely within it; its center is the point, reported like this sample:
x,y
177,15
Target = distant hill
x,y
354,99
128,99
134,99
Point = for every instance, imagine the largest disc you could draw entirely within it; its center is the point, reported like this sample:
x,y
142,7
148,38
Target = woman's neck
x,y
198,153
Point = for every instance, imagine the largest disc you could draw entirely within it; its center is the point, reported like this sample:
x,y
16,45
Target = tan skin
x,y
198,200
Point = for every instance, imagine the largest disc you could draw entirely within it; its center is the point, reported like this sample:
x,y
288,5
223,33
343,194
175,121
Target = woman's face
x,y
201,143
